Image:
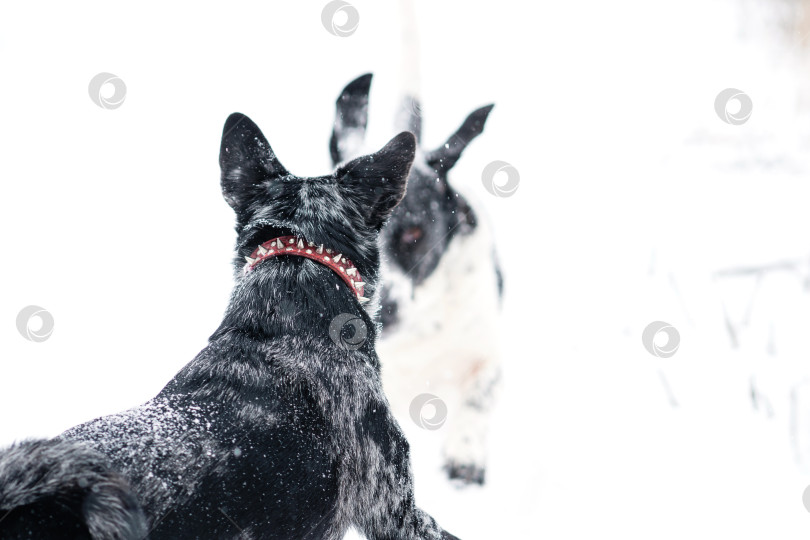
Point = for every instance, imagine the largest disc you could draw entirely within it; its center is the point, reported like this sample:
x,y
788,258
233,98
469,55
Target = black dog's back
x,y
223,458
184,458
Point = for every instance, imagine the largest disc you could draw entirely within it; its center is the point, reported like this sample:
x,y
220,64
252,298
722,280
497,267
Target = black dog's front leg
x,y
385,507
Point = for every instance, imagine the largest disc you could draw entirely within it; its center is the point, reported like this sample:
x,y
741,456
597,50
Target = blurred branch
x,y
742,271
668,389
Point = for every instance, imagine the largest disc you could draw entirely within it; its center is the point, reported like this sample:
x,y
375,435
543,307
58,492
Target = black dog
x,y
442,286
277,429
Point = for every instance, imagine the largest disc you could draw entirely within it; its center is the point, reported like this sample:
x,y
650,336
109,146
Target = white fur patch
x,y
446,341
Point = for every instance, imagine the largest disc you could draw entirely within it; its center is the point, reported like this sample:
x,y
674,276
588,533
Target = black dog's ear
x,y
351,119
444,157
246,160
377,182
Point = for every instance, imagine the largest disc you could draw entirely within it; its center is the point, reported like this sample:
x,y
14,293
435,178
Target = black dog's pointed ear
x,y
377,182
246,160
351,119
444,157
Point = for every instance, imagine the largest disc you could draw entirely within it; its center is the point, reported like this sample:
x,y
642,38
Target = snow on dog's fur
x,y
275,430
442,286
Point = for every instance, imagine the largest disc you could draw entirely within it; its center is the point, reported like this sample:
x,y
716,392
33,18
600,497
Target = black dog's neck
x,y
282,311
291,295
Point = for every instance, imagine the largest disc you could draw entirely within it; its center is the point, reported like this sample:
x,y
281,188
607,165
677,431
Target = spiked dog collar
x,y
293,245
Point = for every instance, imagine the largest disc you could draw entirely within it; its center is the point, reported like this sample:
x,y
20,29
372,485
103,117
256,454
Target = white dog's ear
x,y
246,160
444,157
409,117
351,119
376,183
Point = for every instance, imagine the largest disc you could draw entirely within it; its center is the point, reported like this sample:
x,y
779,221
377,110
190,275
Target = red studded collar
x,y
293,245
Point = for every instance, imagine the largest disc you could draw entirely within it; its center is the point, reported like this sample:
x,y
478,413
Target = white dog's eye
x,y
412,235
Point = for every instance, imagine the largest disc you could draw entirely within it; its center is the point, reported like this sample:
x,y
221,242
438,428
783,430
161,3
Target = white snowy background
x,y
635,200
